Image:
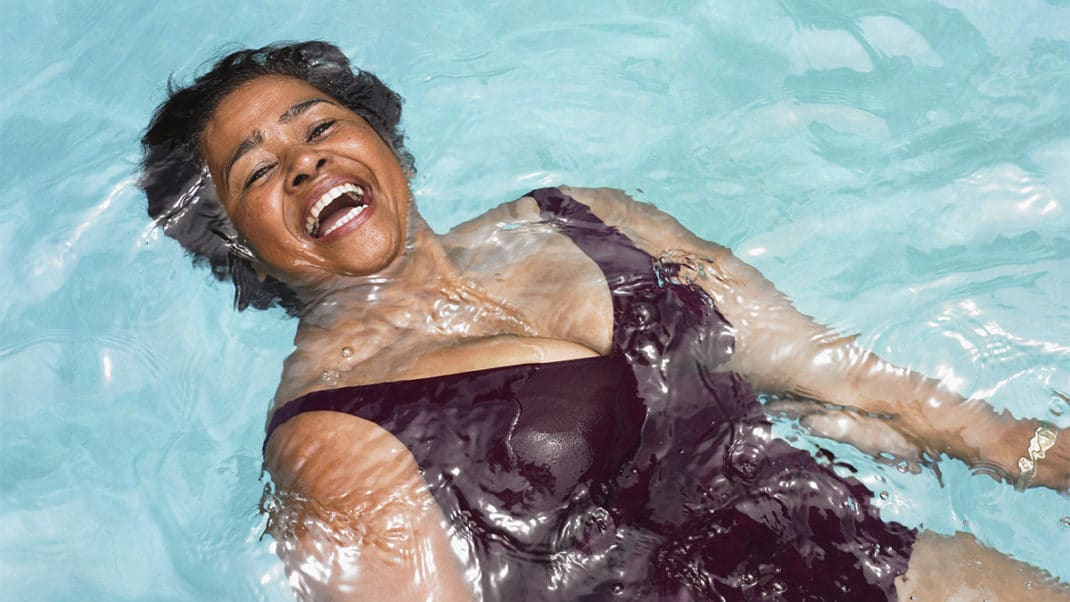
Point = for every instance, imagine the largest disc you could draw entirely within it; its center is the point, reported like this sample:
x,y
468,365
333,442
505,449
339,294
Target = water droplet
x,y
1028,584
347,351
884,495
902,466
617,588
329,376
748,579
1065,521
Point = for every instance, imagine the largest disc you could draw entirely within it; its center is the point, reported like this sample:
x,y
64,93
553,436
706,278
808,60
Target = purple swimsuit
x,y
641,475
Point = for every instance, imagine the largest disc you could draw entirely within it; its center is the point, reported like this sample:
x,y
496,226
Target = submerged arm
x,y
780,350
355,520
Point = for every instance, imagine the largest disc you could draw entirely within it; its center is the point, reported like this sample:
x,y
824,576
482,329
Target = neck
x,y
423,266
422,294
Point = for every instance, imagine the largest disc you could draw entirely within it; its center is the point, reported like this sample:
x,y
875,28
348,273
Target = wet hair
x,y
181,196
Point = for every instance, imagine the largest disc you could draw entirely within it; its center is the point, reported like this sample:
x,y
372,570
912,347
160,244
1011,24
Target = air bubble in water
x,y
347,351
884,495
1065,521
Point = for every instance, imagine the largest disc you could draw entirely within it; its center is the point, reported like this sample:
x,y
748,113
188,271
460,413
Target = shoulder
x,y
520,210
602,196
296,379
612,205
651,228
328,456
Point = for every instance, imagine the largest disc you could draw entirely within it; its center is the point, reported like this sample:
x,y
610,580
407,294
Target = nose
x,y
305,166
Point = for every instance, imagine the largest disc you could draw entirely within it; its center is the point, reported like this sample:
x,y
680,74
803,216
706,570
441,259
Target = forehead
x,y
255,105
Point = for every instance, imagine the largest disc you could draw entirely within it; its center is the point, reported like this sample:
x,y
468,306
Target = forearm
x,y
781,350
778,349
938,419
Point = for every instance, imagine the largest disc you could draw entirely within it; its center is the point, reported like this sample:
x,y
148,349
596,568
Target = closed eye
x,y
319,131
258,173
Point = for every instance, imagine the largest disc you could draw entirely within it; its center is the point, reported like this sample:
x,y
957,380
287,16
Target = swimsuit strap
x,y
640,285
631,273
625,265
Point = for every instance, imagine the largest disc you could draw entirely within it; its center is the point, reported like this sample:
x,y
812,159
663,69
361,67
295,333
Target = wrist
x,y
1039,462
1054,470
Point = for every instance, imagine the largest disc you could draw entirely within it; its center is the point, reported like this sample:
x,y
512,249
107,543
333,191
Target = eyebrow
x,y
257,136
299,108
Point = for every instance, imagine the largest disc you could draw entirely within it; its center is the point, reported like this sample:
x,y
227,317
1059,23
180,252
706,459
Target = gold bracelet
x,y
1042,441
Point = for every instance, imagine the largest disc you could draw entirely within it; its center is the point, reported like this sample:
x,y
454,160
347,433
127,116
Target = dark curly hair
x,y
181,196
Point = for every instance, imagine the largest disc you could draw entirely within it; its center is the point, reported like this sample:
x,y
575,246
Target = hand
x,y
871,435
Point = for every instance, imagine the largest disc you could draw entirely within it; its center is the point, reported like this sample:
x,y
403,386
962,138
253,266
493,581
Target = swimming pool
x,y
901,170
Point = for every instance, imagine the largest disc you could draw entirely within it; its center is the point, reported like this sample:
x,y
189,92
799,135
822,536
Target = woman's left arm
x,y
780,350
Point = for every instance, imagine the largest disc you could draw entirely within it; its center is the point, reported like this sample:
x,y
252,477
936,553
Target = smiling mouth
x,y
336,208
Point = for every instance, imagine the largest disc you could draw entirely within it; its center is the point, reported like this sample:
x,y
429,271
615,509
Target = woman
x,y
555,400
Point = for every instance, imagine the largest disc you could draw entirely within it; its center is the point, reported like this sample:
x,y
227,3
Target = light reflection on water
x,y
901,173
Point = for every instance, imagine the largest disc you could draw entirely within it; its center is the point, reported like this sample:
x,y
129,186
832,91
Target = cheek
x,y
260,224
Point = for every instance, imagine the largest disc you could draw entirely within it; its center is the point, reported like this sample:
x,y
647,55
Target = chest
x,y
518,440
558,290
539,299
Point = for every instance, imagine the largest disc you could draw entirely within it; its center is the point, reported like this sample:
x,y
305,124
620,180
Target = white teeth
x,y
350,214
314,213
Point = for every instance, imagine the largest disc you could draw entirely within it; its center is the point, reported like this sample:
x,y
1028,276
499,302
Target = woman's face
x,y
308,183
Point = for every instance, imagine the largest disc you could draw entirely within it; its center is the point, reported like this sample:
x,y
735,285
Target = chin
x,y
382,262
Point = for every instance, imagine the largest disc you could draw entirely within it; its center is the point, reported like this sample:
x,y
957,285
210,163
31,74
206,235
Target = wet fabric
x,y
643,474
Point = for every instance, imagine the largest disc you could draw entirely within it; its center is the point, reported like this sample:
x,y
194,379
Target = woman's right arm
x,y
356,519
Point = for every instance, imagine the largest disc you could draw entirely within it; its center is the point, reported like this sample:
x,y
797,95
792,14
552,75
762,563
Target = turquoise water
x,y
901,170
